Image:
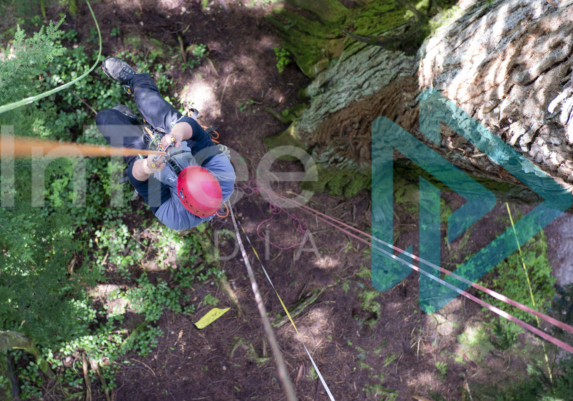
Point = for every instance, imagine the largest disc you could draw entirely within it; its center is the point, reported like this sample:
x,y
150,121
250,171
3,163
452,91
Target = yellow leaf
x,y
210,317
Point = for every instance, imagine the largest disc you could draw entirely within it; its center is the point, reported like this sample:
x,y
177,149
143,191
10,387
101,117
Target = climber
x,y
189,189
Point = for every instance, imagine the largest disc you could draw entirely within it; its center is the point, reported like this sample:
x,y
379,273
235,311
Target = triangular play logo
x,y
387,136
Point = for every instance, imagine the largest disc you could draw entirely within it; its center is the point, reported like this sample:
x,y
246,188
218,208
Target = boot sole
x,y
106,72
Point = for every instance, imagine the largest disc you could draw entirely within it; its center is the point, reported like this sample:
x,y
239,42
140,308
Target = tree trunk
x,y
17,340
11,390
505,63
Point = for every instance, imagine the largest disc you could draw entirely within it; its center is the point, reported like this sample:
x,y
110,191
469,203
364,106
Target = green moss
x,y
288,115
406,194
409,171
314,44
158,49
329,11
314,28
290,137
338,182
380,16
311,52
133,40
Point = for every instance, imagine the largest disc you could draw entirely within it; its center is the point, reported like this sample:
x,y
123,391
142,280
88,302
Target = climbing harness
x,y
226,214
152,138
166,149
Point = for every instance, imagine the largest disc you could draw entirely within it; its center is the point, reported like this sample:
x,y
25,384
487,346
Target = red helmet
x,y
199,191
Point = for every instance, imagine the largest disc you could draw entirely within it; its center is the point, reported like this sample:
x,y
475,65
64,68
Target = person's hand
x,y
143,168
154,166
175,137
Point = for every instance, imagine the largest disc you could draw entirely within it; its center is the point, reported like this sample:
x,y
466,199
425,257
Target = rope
x,y
288,314
275,209
497,311
21,147
32,99
492,293
281,367
276,206
530,289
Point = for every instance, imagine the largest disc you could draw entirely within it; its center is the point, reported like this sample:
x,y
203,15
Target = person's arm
x,y
202,146
140,175
181,131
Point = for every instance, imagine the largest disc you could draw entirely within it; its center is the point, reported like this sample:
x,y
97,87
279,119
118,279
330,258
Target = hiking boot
x,y
118,70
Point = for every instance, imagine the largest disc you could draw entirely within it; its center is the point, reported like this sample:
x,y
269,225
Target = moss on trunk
x,y
290,137
17,340
338,182
316,44
321,48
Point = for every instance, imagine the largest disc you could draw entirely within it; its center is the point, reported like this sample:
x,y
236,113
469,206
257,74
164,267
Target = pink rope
x,y
492,293
276,209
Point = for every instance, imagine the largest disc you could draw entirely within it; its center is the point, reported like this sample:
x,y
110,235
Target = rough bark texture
x,y
11,392
505,63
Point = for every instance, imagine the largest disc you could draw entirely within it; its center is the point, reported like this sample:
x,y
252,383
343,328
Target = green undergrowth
x,y
51,252
378,390
509,278
536,387
99,331
282,56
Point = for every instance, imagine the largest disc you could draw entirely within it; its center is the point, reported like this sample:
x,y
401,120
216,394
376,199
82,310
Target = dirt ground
x,y
363,353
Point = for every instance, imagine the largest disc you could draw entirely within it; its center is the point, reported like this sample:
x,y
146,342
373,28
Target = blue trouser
x,y
122,131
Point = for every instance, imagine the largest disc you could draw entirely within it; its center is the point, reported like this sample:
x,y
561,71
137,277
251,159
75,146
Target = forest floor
x,y
368,345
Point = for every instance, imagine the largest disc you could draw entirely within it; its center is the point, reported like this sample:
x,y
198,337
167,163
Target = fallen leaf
x,y
300,372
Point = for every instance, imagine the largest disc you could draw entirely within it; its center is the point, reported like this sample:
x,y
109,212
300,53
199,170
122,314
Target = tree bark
x,y
506,63
9,392
17,340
